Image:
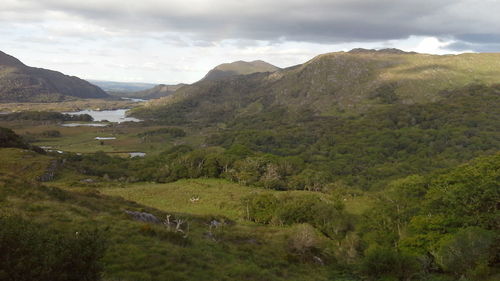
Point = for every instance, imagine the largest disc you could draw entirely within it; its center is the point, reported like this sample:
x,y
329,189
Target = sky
x,y
178,41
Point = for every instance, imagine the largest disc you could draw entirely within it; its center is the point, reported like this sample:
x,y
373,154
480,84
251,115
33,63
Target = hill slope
x,y
21,83
239,68
328,85
157,91
121,87
239,251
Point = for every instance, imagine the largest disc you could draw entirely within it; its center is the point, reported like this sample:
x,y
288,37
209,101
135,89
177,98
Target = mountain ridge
x,y
240,67
331,84
158,91
22,83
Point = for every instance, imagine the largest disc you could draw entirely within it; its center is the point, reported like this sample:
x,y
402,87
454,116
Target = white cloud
x,y
432,45
180,40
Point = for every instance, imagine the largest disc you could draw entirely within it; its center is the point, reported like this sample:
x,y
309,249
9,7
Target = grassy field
x,y
22,163
216,197
82,139
142,252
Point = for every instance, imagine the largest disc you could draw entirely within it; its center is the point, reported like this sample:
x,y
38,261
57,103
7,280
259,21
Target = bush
x,y
164,234
174,132
260,208
51,133
327,217
303,239
383,262
10,139
45,116
29,251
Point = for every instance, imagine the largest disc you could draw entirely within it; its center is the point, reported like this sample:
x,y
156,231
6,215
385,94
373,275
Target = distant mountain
x,y
239,68
333,84
156,92
21,83
126,87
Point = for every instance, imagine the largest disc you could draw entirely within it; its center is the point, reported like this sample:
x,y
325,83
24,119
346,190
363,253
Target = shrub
x,y
466,251
384,262
29,251
51,133
327,217
260,208
45,116
10,139
303,239
164,234
174,132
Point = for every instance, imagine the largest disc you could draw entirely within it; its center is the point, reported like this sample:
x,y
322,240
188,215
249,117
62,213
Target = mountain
x,y
136,90
156,92
333,84
21,83
239,68
125,87
360,118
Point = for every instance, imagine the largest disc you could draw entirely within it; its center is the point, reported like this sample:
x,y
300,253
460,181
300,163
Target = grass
x,y
82,139
25,164
216,197
239,252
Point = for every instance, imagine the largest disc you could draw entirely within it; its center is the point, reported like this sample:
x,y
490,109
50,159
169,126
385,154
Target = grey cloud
x,y
479,38
462,46
321,21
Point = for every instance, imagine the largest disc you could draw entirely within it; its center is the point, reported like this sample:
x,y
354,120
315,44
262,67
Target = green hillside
x,y
226,70
156,92
134,250
359,166
329,85
60,229
360,118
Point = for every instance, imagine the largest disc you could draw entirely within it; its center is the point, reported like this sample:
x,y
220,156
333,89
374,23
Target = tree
x,y
469,193
260,208
388,262
468,248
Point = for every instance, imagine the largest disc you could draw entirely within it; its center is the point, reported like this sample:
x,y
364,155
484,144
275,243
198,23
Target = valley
x,y
360,165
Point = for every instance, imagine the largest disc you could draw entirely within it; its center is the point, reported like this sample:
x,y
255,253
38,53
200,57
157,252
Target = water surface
x,y
137,154
117,115
84,125
133,99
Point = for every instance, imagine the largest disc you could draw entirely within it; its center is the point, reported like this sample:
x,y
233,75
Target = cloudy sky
x,y
172,41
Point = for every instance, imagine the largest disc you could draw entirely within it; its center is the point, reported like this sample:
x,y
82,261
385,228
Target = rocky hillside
x,y
21,83
239,68
342,83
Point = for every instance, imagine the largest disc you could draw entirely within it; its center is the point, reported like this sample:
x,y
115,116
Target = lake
x,y
137,154
84,125
117,115
133,99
